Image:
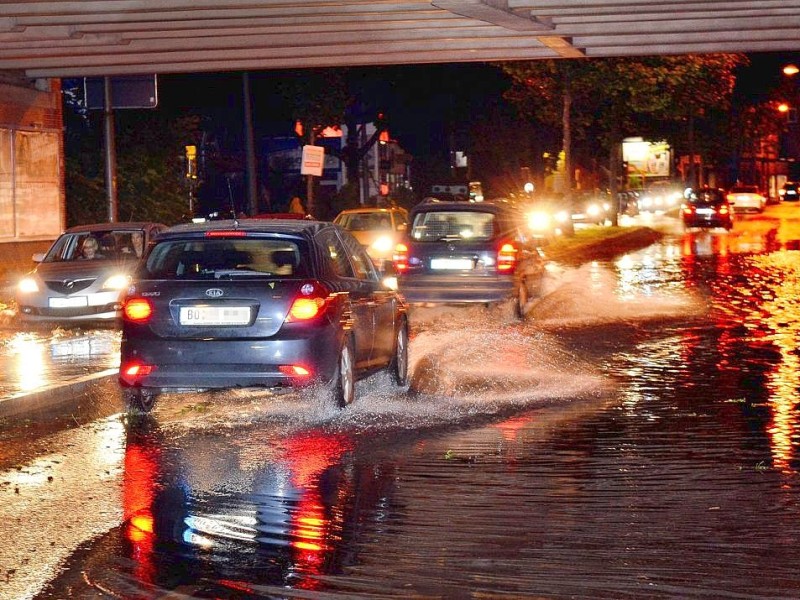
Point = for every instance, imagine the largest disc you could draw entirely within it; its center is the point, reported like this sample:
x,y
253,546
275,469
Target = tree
x,y
615,97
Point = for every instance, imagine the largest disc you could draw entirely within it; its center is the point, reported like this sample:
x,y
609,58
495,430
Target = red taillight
x,y
132,372
400,258
294,370
506,257
731,197
138,310
723,210
687,210
310,303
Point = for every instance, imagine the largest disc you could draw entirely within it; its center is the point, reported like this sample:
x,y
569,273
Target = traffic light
x,y
191,162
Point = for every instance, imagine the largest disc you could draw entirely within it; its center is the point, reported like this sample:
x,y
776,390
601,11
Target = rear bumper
x,y
708,222
216,364
455,289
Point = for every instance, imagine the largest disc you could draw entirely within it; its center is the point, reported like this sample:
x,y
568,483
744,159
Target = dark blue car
x,y
258,303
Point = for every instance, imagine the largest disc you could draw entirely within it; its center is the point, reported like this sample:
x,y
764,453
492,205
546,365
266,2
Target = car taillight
x,y
723,210
131,373
309,303
506,257
400,258
687,210
137,310
731,198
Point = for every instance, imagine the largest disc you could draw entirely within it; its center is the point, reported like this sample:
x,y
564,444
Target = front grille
x,y
69,286
79,311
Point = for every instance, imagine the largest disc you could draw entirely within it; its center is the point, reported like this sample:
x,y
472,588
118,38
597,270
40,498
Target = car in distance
x,y
659,197
591,207
790,192
707,207
258,303
80,277
377,229
462,252
747,198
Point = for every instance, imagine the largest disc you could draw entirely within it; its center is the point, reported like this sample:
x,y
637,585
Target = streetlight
x,y
791,70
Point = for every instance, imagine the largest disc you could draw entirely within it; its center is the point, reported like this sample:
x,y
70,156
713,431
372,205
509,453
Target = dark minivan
x,y
468,252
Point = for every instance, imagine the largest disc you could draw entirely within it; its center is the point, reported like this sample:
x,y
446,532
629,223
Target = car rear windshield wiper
x,y
233,273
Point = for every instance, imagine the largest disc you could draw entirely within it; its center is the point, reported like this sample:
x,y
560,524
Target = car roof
x,y
283,226
371,209
457,205
116,225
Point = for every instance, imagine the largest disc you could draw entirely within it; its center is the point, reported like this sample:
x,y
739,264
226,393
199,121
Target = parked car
x,y
790,192
80,277
256,302
707,207
747,198
377,229
461,252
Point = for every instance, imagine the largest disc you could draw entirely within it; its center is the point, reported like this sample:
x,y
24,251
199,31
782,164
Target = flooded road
x,y
635,437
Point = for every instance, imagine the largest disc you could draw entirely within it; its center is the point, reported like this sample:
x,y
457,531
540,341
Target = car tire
x,y
139,401
399,365
341,389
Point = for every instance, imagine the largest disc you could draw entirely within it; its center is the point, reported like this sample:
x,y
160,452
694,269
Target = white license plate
x,y
68,302
452,263
705,211
215,315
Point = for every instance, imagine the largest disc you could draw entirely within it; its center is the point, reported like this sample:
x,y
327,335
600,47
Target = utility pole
x,y
252,175
111,151
310,179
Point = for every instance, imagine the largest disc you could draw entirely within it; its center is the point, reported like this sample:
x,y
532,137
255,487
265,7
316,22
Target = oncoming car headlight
x,y
383,244
117,282
563,216
593,210
538,220
28,285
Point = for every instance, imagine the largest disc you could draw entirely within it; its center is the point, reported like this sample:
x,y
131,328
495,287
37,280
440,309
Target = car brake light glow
x,y
400,258
137,370
309,304
137,310
294,370
506,257
723,210
226,233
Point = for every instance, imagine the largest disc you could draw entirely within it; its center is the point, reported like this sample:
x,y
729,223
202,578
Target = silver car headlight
x,y
563,216
593,210
28,285
117,282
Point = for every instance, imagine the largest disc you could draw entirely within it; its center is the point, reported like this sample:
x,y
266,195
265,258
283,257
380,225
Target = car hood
x,y
83,269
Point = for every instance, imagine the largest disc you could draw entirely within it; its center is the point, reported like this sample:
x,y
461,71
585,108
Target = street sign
x,y
131,91
313,160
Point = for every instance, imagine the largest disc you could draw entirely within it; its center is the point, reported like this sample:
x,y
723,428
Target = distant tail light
x,y
506,257
724,210
687,209
400,258
137,310
309,303
731,197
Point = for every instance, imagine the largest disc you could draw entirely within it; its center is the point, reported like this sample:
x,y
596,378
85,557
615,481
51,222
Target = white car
x,y
747,198
79,279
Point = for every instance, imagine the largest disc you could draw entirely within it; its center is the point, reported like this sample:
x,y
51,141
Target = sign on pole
x,y
313,160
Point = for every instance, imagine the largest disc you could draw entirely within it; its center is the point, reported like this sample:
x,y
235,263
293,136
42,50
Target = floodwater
x,y
635,437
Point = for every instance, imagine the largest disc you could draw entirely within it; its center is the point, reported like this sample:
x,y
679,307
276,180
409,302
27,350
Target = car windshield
x,y
706,197
365,221
431,226
110,244
225,259
745,189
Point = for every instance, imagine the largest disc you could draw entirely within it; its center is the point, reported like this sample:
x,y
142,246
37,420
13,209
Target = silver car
x,y
79,279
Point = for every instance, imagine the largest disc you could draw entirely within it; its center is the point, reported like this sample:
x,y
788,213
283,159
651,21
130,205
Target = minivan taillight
x,y
400,258
506,258
137,310
311,301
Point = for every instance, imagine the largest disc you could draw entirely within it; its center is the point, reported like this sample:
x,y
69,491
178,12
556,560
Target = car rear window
x,y
432,226
217,258
706,197
365,221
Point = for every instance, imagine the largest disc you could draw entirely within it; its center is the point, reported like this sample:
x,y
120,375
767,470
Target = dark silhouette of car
x,y
80,278
790,192
468,252
707,207
258,303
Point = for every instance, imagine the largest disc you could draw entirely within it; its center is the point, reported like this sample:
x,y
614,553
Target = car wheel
x,y
341,388
399,365
521,300
139,401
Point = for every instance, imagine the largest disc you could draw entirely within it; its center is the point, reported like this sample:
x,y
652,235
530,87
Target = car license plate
x,y
452,263
705,211
215,315
68,302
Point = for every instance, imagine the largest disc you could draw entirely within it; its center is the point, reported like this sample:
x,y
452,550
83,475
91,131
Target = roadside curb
x,y
44,399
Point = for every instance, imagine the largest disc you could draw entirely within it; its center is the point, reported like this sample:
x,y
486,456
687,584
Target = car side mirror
x,y
38,257
401,227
